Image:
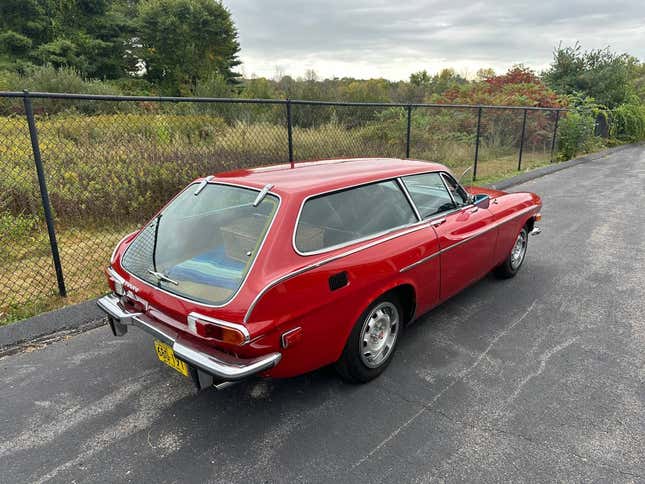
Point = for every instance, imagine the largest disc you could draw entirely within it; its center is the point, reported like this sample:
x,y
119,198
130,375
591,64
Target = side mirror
x,y
480,199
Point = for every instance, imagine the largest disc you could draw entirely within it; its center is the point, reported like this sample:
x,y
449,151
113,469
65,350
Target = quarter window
x,y
429,194
458,193
341,217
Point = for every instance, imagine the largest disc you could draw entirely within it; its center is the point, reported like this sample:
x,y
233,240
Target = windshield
x,y
203,244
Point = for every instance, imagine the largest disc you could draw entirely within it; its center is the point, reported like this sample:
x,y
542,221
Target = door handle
x,y
436,223
474,210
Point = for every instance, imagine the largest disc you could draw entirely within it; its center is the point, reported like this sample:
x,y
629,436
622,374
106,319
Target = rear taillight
x,y
115,281
216,329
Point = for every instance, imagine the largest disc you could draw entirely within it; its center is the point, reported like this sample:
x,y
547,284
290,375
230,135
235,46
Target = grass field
x,y
108,173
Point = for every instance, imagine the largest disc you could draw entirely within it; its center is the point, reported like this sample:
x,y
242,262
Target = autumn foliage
x,y
520,86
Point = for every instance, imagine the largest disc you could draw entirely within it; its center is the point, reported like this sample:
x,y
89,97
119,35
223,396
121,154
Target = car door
x,y
463,230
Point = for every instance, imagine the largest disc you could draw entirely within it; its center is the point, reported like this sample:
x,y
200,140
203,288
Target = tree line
x,y
169,43
190,47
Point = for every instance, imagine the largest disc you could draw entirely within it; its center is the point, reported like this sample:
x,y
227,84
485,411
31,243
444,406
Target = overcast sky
x,y
391,39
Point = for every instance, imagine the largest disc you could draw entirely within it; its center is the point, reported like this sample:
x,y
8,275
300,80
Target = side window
x,y
347,215
428,193
457,192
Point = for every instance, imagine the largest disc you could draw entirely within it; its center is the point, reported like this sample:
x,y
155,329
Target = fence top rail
x,y
109,97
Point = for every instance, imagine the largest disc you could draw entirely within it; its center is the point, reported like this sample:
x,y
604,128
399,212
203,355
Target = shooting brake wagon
x,y
278,271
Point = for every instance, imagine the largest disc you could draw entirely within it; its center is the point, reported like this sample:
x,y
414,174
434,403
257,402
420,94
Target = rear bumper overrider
x,y
210,366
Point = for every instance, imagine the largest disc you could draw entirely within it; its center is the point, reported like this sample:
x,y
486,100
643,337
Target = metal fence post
x,y
407,134
44,195
555,132
290,132
519,160
479,122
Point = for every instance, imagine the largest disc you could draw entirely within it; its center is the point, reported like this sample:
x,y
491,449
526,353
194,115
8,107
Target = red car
x,y
278,271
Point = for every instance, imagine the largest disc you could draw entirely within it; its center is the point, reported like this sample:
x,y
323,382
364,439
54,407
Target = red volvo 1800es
x,y
278,271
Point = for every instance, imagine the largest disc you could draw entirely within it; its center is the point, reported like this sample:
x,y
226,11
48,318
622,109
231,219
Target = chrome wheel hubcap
x,y
378,334
519,250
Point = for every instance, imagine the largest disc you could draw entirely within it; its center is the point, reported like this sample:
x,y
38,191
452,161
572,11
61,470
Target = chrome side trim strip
x,y
437,221
468,239
297,272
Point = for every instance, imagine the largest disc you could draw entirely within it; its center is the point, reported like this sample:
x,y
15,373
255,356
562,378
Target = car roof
x,y
326,175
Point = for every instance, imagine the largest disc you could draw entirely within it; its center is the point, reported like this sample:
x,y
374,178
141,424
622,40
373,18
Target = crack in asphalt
x,y
548,447
462,374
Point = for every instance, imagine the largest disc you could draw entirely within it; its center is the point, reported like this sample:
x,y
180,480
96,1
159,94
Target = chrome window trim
x,y
445,185
445,212
410,229
351,242
448,175
410,201
236,293
118,244
468,239
219,322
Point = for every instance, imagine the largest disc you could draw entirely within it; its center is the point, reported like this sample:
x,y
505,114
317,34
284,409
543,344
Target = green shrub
x,y
16,227
628,122
576,134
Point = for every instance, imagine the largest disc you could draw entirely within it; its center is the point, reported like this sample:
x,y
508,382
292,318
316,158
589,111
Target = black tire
x,y
513,264
352,365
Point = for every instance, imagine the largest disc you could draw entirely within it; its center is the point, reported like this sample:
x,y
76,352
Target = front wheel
x,y
372,342
513,262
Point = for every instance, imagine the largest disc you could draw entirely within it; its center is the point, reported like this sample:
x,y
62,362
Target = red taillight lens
x,y
115,281
218,330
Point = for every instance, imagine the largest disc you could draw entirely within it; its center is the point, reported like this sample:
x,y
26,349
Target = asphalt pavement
x,y
536,378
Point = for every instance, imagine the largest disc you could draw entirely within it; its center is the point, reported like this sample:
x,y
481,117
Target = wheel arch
x,y
407,297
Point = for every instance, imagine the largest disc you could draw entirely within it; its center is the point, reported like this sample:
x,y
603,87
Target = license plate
x,y
167,355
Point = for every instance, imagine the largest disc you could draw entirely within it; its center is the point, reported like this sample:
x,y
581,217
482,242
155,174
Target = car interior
x,y
332,219
210,263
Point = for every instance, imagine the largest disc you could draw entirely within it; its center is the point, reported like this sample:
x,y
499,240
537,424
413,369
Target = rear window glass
x,y
202,246
341,217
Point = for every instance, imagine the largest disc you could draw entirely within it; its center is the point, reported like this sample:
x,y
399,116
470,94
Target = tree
x,y
421,78
485,73
88,35
600,74
184,41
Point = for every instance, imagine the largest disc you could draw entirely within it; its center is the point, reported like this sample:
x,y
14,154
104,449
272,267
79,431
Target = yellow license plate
x,y
167,355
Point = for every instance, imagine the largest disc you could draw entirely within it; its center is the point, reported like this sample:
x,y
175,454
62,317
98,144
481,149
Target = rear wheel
x,y
372,342
515,258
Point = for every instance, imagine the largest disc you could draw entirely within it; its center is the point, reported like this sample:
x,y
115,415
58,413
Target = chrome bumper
x,y
214,363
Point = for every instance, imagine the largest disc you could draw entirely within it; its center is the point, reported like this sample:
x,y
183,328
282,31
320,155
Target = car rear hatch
x,y
200,247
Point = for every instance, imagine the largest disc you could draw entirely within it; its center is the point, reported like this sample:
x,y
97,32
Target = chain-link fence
x,y
78,172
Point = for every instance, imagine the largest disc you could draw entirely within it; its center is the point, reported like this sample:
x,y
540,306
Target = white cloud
x,y
391,39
